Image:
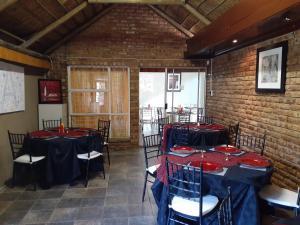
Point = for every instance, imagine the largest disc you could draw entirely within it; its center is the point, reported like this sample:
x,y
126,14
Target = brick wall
x,y
129,35
235,100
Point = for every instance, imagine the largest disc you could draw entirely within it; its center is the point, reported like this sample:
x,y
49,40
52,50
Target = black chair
x,y
91,151
16,144
205,119
159,113
161,123
233,130
105,124
48,124
151,144
252,143
225,210
184,118
185,194
280,197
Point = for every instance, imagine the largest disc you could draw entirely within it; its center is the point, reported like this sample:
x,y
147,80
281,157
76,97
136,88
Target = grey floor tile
x,y
9,196
29,195
51,194
37,216
12,217
21,205
89,213
4,205
69,203
62,215
115,211
89,202
88,222
115,221
142,220
42,204
139,210
62,223
116,200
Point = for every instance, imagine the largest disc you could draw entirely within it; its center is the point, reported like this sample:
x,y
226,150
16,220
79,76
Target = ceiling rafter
x,y
54,25
196,13
153,2
79,29
171,21
6,3
12,35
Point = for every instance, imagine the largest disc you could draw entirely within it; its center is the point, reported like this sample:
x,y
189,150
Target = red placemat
x,y
227,149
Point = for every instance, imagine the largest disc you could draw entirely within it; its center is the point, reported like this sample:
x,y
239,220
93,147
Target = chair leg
x,y
87,173
13,183
103,167
145,183
108,158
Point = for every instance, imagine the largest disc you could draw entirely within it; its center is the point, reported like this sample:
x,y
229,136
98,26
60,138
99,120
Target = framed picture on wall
x,y
271,68
49,91
174,82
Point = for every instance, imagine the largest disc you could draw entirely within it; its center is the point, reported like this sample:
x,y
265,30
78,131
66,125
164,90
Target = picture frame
x,y
271,68
49,91
174,82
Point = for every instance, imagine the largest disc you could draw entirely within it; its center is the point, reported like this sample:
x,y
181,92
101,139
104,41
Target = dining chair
x,y
281,197
253,143
159,113
151,145
225,210
184,118
147,117
205,119
19,157
185,194
47,124
233,130
161,122
105,125
93,138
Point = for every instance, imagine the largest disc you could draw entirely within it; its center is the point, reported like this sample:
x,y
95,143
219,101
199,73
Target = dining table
x,y
61,165
245,172
288,221
193,134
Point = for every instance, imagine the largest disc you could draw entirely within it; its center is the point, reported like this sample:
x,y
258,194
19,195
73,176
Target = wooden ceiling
x,y
43,25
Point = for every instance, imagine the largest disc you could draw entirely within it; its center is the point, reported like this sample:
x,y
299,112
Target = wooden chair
x,y
185,197
281,197
233,130
247,142
105,124
48,124
159,113
91,152
161,123
225,210
151,145
205,119
16,144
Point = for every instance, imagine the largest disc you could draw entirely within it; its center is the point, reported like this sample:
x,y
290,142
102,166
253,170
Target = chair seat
x,y
26,159
93,154
279,196
190,206
152,169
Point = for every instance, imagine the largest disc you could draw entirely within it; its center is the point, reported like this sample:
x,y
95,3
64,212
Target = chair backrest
x,y
161,122
94,138
205,119
104,124
151,144
200,111
146,115
185,181
233,130
184,118
225,210
256,144
16,143
159,113
51,123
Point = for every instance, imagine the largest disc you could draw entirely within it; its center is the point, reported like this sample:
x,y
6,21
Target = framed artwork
x,y
49,91
271,68
174,82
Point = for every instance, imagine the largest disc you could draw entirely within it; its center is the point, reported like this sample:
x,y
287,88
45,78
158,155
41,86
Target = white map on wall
x,y
12,90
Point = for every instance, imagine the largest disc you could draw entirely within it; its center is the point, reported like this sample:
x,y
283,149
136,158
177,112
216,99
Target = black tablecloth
x,y
61,164
290,221
195,137
244,184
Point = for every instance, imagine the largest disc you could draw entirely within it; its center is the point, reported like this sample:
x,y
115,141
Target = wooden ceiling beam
x,y
152,2
54,25
79,29
12,35
15,54
171,21
241,18
6,3
196,13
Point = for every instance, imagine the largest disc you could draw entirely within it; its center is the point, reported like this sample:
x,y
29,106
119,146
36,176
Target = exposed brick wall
x,y
235,100
130,35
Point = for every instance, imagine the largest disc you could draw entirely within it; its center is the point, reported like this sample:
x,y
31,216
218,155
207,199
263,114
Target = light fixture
x,y
234,41
287,19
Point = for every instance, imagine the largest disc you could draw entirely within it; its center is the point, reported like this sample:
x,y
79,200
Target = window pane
x,y
119,90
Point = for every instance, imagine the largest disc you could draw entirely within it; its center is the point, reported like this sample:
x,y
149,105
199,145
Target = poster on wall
x,y
49,91
271,68
174,82
12,88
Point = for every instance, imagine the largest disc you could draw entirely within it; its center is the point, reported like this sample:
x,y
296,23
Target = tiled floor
x,y
115,200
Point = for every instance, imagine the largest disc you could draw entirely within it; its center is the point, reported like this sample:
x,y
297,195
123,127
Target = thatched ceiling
x,y
23,19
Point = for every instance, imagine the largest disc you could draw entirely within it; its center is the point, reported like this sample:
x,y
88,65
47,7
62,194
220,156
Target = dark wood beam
x,y
6,3
244,21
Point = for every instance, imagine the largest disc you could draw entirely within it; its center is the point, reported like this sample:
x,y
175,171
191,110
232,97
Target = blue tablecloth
x,y
244,184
